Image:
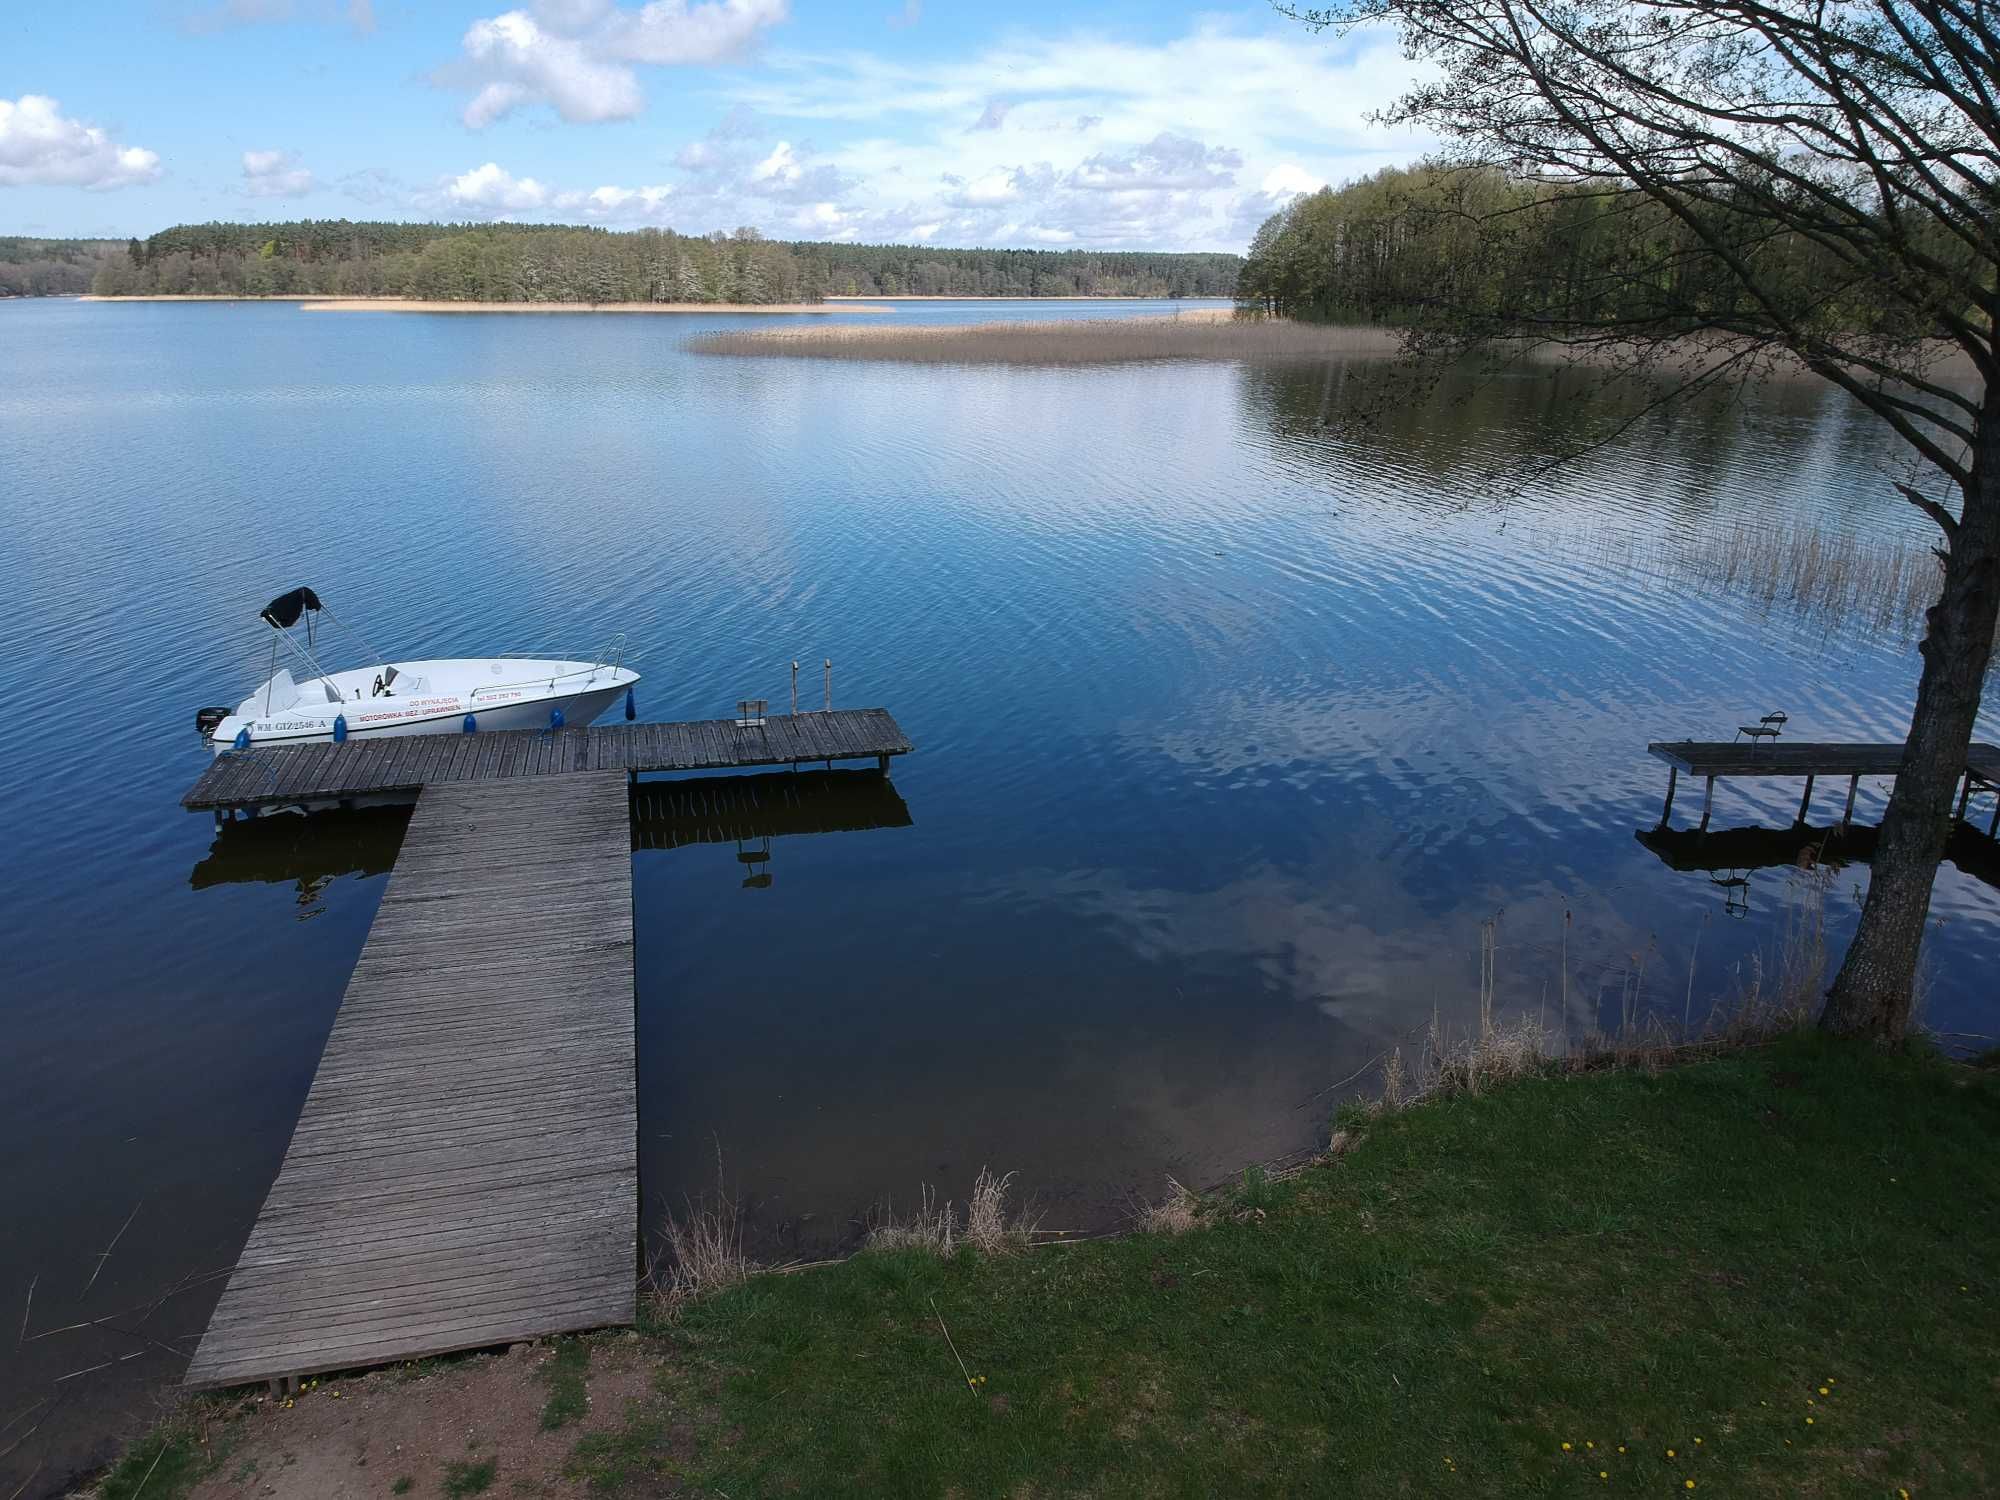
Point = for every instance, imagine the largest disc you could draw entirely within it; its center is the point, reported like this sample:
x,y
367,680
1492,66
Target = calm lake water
x,y
1231,732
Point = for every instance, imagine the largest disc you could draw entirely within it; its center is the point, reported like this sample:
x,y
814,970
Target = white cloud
x,y
579,56
1285,182
992,117
493,190
521,63
1185,143
1165,163
275,174
667,32
41,147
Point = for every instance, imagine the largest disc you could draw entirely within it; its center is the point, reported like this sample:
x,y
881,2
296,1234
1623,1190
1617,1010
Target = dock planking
x,y
464,1171
283,774
1714,759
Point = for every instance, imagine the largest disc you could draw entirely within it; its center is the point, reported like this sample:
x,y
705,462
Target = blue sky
x,y
1103,124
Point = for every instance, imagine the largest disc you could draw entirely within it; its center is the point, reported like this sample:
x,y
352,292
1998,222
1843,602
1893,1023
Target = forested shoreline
x,y
557,263
36,267
1471,246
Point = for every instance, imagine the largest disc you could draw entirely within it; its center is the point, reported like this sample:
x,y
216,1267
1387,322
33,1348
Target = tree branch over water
x,y
1667,184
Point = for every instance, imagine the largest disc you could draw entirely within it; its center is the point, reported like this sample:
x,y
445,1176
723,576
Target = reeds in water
x,y
1834,578
1200,335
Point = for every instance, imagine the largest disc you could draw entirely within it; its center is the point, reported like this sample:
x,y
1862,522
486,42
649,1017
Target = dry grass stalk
x,y
932,1228
986,1225
1764,1007
1080,341
1836,578
1177,1213
704,1254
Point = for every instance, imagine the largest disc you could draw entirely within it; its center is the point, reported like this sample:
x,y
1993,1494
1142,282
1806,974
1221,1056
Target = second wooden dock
x,y
1714,759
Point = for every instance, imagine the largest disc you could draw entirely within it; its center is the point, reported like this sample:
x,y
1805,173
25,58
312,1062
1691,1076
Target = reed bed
x,y
1199,335
1834,578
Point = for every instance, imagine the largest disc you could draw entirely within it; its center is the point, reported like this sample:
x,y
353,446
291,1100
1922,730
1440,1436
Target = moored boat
x,y
438,695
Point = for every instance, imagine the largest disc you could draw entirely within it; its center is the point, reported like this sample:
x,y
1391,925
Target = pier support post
x,y
1993,828
1673,780
1805,802
882,765
1707,802
1853,782
1965,796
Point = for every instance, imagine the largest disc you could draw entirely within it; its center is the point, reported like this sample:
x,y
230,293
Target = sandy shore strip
x,y
322,303
1197,334
413,305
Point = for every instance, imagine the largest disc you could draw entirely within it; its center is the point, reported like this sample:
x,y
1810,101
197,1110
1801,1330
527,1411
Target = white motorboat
x,y
443,695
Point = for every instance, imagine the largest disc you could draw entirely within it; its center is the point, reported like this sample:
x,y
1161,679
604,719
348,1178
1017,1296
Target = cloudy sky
x,y
1103,123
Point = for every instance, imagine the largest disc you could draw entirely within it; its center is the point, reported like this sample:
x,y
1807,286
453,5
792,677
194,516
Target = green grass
x,y
468,1476
166,1462
568,1399
1614,1261
402,1485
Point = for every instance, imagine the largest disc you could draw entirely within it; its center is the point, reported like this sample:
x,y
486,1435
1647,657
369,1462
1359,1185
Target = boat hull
x,y
438,714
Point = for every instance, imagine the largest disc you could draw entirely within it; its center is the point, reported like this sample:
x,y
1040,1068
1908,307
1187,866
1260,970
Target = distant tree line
x,y
461,263
555,263
922,271
52,268
1466,245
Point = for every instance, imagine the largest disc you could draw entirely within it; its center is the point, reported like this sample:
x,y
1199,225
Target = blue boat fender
x,y
631,711
471,725
340,729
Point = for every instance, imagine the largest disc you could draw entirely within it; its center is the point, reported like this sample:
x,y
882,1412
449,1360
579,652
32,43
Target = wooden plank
x,y
464,1171
1797,759
323,770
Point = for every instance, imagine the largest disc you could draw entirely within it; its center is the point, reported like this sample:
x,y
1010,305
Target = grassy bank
x,y
1204,333
1772,1273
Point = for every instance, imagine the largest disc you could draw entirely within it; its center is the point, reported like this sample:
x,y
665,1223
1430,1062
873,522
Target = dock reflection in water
x,y
308,851
1731,855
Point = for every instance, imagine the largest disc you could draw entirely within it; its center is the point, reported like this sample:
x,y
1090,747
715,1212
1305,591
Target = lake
x,y
1233,728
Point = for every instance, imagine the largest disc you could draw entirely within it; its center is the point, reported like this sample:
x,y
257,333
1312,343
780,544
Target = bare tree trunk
x,y
1874,990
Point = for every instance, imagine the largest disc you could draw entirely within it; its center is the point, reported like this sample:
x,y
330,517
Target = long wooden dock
x,y
1712,760
465,1169
246,780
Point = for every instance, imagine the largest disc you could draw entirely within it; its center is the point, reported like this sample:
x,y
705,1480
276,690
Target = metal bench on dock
x,y
1713,760
247,780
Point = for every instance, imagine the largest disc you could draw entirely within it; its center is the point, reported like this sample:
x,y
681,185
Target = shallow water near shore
x,y
1232,729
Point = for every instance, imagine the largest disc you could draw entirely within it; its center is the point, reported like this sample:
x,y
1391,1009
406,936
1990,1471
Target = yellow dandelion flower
x,y
1566,1447
1690,1484
1809,1401
1621,1447
1809,1421
1603,1474
1670,1453
1590,1445
1697,1442
1824,1391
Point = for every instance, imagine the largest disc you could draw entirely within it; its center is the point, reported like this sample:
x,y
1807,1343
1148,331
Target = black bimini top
x,y
283,612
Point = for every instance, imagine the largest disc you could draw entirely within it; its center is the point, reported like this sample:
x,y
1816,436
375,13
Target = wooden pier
x,y
1714,760
465,1170
274,776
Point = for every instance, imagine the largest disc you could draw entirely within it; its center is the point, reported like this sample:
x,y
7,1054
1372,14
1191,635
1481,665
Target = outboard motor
x,y
205,719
